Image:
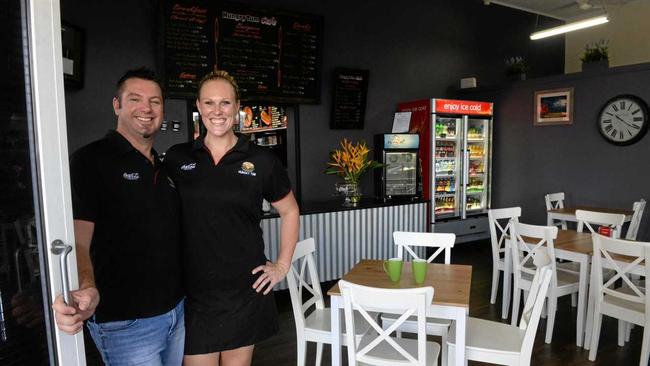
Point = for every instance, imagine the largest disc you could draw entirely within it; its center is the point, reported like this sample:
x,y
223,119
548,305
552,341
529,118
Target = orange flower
x,y
351,161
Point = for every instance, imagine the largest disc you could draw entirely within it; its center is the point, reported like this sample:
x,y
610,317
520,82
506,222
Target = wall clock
x,y
623,120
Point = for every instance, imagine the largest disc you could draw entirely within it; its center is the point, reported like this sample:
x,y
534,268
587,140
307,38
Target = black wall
x,y
413,50
530,161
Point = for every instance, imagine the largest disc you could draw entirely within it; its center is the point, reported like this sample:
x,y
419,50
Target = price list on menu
x,y
274,56
349,99
187,47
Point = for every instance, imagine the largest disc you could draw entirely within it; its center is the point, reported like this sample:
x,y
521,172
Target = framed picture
x,y
73,42
553,107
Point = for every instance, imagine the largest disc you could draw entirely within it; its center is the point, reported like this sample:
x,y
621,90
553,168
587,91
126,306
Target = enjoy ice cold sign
x,y
451,106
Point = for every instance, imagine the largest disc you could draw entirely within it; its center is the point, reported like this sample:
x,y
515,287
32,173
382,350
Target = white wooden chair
x,y
378,347
316,326
554,201
499,229
630,303
505,344
633,229
562,283
592,218
443,242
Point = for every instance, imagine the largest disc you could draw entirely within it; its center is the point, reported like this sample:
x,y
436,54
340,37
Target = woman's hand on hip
x,y
272,274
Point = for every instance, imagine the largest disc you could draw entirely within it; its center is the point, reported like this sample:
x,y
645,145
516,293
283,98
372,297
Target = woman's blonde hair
x,y
216,75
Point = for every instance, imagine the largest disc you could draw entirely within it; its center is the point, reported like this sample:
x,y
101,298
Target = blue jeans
x,y
154,341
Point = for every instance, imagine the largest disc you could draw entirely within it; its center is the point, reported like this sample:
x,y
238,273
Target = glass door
x,y
446,170
36,214
401,168
477,138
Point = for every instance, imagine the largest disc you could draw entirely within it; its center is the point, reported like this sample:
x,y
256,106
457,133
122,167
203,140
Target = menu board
x,y
273,55
349,100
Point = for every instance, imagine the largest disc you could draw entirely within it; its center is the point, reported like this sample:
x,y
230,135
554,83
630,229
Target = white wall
x,y
628,32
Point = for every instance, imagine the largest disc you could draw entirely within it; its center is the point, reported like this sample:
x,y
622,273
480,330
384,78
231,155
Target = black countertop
x,y
334,205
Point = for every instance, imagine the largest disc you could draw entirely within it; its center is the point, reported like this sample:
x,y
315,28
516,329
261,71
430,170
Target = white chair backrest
x,y
499,231
605,250
599,218
443,241
405,302
537,238
633,229
534,303
554,200
303,275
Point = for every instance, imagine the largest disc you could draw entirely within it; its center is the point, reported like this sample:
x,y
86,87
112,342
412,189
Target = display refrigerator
x,y
456,153
397,180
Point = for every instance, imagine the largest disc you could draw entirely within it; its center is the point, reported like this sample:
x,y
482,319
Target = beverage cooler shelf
x,y
473,191
445,174
475,140
477,157
445,194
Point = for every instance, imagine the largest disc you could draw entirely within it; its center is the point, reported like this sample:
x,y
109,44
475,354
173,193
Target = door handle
x,y
62,250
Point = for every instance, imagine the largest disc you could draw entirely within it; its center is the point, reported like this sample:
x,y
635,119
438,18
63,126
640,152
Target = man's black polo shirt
x,y
222,212
136,247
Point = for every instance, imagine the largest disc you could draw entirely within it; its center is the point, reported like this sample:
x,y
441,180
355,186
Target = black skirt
x,y
230,319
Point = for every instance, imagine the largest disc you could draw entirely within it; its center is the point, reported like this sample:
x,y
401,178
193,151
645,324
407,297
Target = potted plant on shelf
x,y
596,56
516,67
350,163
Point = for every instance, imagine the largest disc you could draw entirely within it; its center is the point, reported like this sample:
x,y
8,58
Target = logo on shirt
x,y
247,168
131,176
190,166
171,182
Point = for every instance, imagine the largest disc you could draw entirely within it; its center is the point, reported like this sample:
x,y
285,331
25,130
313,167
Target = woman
x,y
222,179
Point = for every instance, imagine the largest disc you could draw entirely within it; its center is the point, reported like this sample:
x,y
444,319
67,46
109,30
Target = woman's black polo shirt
x,y
221,206
136,247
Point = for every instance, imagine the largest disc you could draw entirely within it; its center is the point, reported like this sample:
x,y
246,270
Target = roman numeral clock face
x,y
623,120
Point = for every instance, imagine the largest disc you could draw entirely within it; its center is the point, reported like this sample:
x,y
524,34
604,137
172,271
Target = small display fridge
x,y
397,180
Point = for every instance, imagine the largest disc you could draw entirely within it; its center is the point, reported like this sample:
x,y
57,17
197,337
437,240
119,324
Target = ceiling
x,y
567,10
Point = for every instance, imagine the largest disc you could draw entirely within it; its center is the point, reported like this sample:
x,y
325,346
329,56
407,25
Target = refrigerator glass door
x,y
446,170
477,137
401,169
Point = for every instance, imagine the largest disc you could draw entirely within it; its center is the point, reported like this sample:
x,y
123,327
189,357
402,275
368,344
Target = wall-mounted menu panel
x,y
273,55
350,90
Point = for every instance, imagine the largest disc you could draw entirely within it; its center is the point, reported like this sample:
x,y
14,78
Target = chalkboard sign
x,y
273,55
350,88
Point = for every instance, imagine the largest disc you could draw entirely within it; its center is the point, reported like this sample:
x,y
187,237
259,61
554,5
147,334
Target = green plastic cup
x,y
419,269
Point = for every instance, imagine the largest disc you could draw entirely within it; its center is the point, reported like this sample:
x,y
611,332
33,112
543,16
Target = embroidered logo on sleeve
x,y
187,167
247,168
131,176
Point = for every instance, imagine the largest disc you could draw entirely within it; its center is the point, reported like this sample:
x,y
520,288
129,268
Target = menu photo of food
x,y
262,117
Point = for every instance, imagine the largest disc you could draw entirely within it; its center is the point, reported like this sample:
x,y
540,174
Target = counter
x,y
345,235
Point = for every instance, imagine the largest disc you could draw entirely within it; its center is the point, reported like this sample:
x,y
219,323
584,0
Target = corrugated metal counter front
x,y
345,235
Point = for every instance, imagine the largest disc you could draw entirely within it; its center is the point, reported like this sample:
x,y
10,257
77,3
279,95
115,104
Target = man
x,y
127,229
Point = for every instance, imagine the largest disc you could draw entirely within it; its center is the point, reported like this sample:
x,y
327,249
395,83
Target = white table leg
x,y
582,294
461,325
549,219
336,303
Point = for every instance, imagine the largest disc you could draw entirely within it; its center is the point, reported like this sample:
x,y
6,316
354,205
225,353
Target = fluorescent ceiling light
x,y
570,27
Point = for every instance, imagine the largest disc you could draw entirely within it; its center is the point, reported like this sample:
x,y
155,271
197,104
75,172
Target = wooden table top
x,y
451,282
573,241
572,210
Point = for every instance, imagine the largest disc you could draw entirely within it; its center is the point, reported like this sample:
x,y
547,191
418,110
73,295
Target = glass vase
x,y
350,190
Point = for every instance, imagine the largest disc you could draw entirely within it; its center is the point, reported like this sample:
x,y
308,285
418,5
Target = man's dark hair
x,y
140,73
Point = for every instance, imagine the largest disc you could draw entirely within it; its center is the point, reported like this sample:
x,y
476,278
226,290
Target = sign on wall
x,y
350,91
274,55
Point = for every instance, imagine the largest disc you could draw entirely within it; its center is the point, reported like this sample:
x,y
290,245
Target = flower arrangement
x,y
516,65
351,161
596,51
